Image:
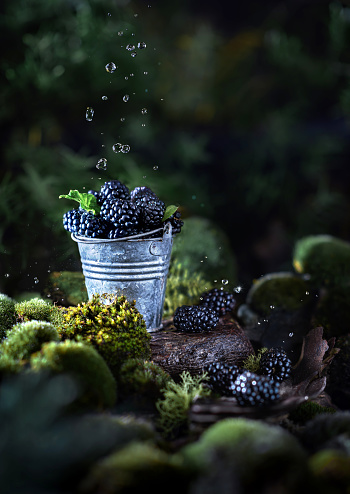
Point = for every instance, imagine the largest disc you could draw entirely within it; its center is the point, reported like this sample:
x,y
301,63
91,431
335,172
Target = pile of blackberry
x,y
195,319
219,300
123,213
221,377
275,363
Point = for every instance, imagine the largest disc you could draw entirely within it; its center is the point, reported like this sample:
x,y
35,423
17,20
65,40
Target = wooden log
x,y
176,351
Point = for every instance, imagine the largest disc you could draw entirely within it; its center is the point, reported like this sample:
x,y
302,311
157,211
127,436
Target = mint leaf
x,y
170,210
86,201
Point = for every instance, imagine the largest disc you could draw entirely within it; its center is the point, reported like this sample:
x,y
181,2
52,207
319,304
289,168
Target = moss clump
x,y
183,288
37,309
324,258
139,467
307,411
7,314
112,325
97,385
252,363
285,291
258,454
178,397
27,338
9,366
142,379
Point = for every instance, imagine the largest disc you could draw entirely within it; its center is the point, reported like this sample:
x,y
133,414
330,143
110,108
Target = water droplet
x,y
120,33
272,306
141,45
102,164
145,73
144,176
133,54
89,113
144,111
131,75
155,167
105,98
130,47
143,125
36,280
307,293
125,148
126,77
7,275
126,98
117,147
224,282
109,14
110,67
122,119
290,335
136,15
238,288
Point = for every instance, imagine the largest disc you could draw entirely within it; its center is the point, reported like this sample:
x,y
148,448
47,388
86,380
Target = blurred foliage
x,y
247,120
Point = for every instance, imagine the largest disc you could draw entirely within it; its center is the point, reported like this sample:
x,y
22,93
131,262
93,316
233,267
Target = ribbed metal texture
x,y
136,268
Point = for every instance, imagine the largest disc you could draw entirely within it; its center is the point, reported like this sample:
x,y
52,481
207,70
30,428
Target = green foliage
x,y
183,288
178,397
26,338
97,386
7,314
278,291
307,411
252,363
112,325
326,259
85,200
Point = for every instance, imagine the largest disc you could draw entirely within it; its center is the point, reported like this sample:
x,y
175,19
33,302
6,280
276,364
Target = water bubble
x,y
105,98
120,33
102,164
110,67
144,111
36,280
141,45
155,167
122,119
133,54
224,282
126,98
89,113
130,47
125,148
117,147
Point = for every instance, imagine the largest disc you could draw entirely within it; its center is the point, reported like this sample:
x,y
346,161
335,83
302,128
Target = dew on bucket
x,y
144,111
117,147
141,45
89,113
125,148
130,47
126,98
110,67
102,164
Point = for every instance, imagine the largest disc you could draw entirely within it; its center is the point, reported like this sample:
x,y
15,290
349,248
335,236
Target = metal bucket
x,y
136,267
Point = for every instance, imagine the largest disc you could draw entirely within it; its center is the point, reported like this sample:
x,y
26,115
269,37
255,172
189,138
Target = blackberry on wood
x,y
276,364
218,300
71,220
221,377
251,389
114,189
124,216
195,319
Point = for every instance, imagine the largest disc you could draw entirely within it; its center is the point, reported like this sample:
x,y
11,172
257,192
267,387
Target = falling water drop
x,y
155,167
110,67
122,119
105,98
141,45
145,72
36,280
224,282
130,47
133,54
117,147
120,33
144,111
102,164
125,148
126,98
89,113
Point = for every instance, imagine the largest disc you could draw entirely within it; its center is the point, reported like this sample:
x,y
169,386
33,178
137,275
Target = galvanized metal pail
x,y
136,267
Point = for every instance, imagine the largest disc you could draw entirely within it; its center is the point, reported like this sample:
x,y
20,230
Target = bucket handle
x,y
163,247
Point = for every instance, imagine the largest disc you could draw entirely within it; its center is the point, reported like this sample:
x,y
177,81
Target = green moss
x,y
37,309
9,366
307,411
116,328
183,288
178,397
7,314
96,382
324,258
252,363
139,467
285,291
27,338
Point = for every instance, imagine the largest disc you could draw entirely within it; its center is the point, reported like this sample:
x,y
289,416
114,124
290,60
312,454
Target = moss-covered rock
x,y
307,411
7,314
96,383
112,325
139,467
205,248
326,259
37,309
258,454
66,288
27,338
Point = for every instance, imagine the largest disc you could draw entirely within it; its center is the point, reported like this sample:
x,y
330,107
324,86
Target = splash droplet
x,y
237,289
130,47
290,335
144,111
125,148
133,54
155,167
136,15
117,147
145,72
126,98
110,67
131,75
224,282
126,77
89,113
122,119
143,125
7,275
120,33
105,98
141,45
102,164
36,280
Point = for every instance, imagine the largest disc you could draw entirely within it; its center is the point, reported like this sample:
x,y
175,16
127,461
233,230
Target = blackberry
x,y
92,226
114,189
98,196
152,214
221,377
195,319
218,300
276,364
143,194
250,389
124,216
176,222
71,220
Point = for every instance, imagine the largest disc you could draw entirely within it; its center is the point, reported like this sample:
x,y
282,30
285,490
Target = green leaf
x,y
170,210
87,201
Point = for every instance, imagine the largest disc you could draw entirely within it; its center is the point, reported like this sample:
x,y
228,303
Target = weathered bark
x,y
176,351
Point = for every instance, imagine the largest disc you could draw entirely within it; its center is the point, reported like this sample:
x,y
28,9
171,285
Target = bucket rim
x,y
131,238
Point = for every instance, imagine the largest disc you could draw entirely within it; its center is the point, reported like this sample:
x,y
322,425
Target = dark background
x,y
247,121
